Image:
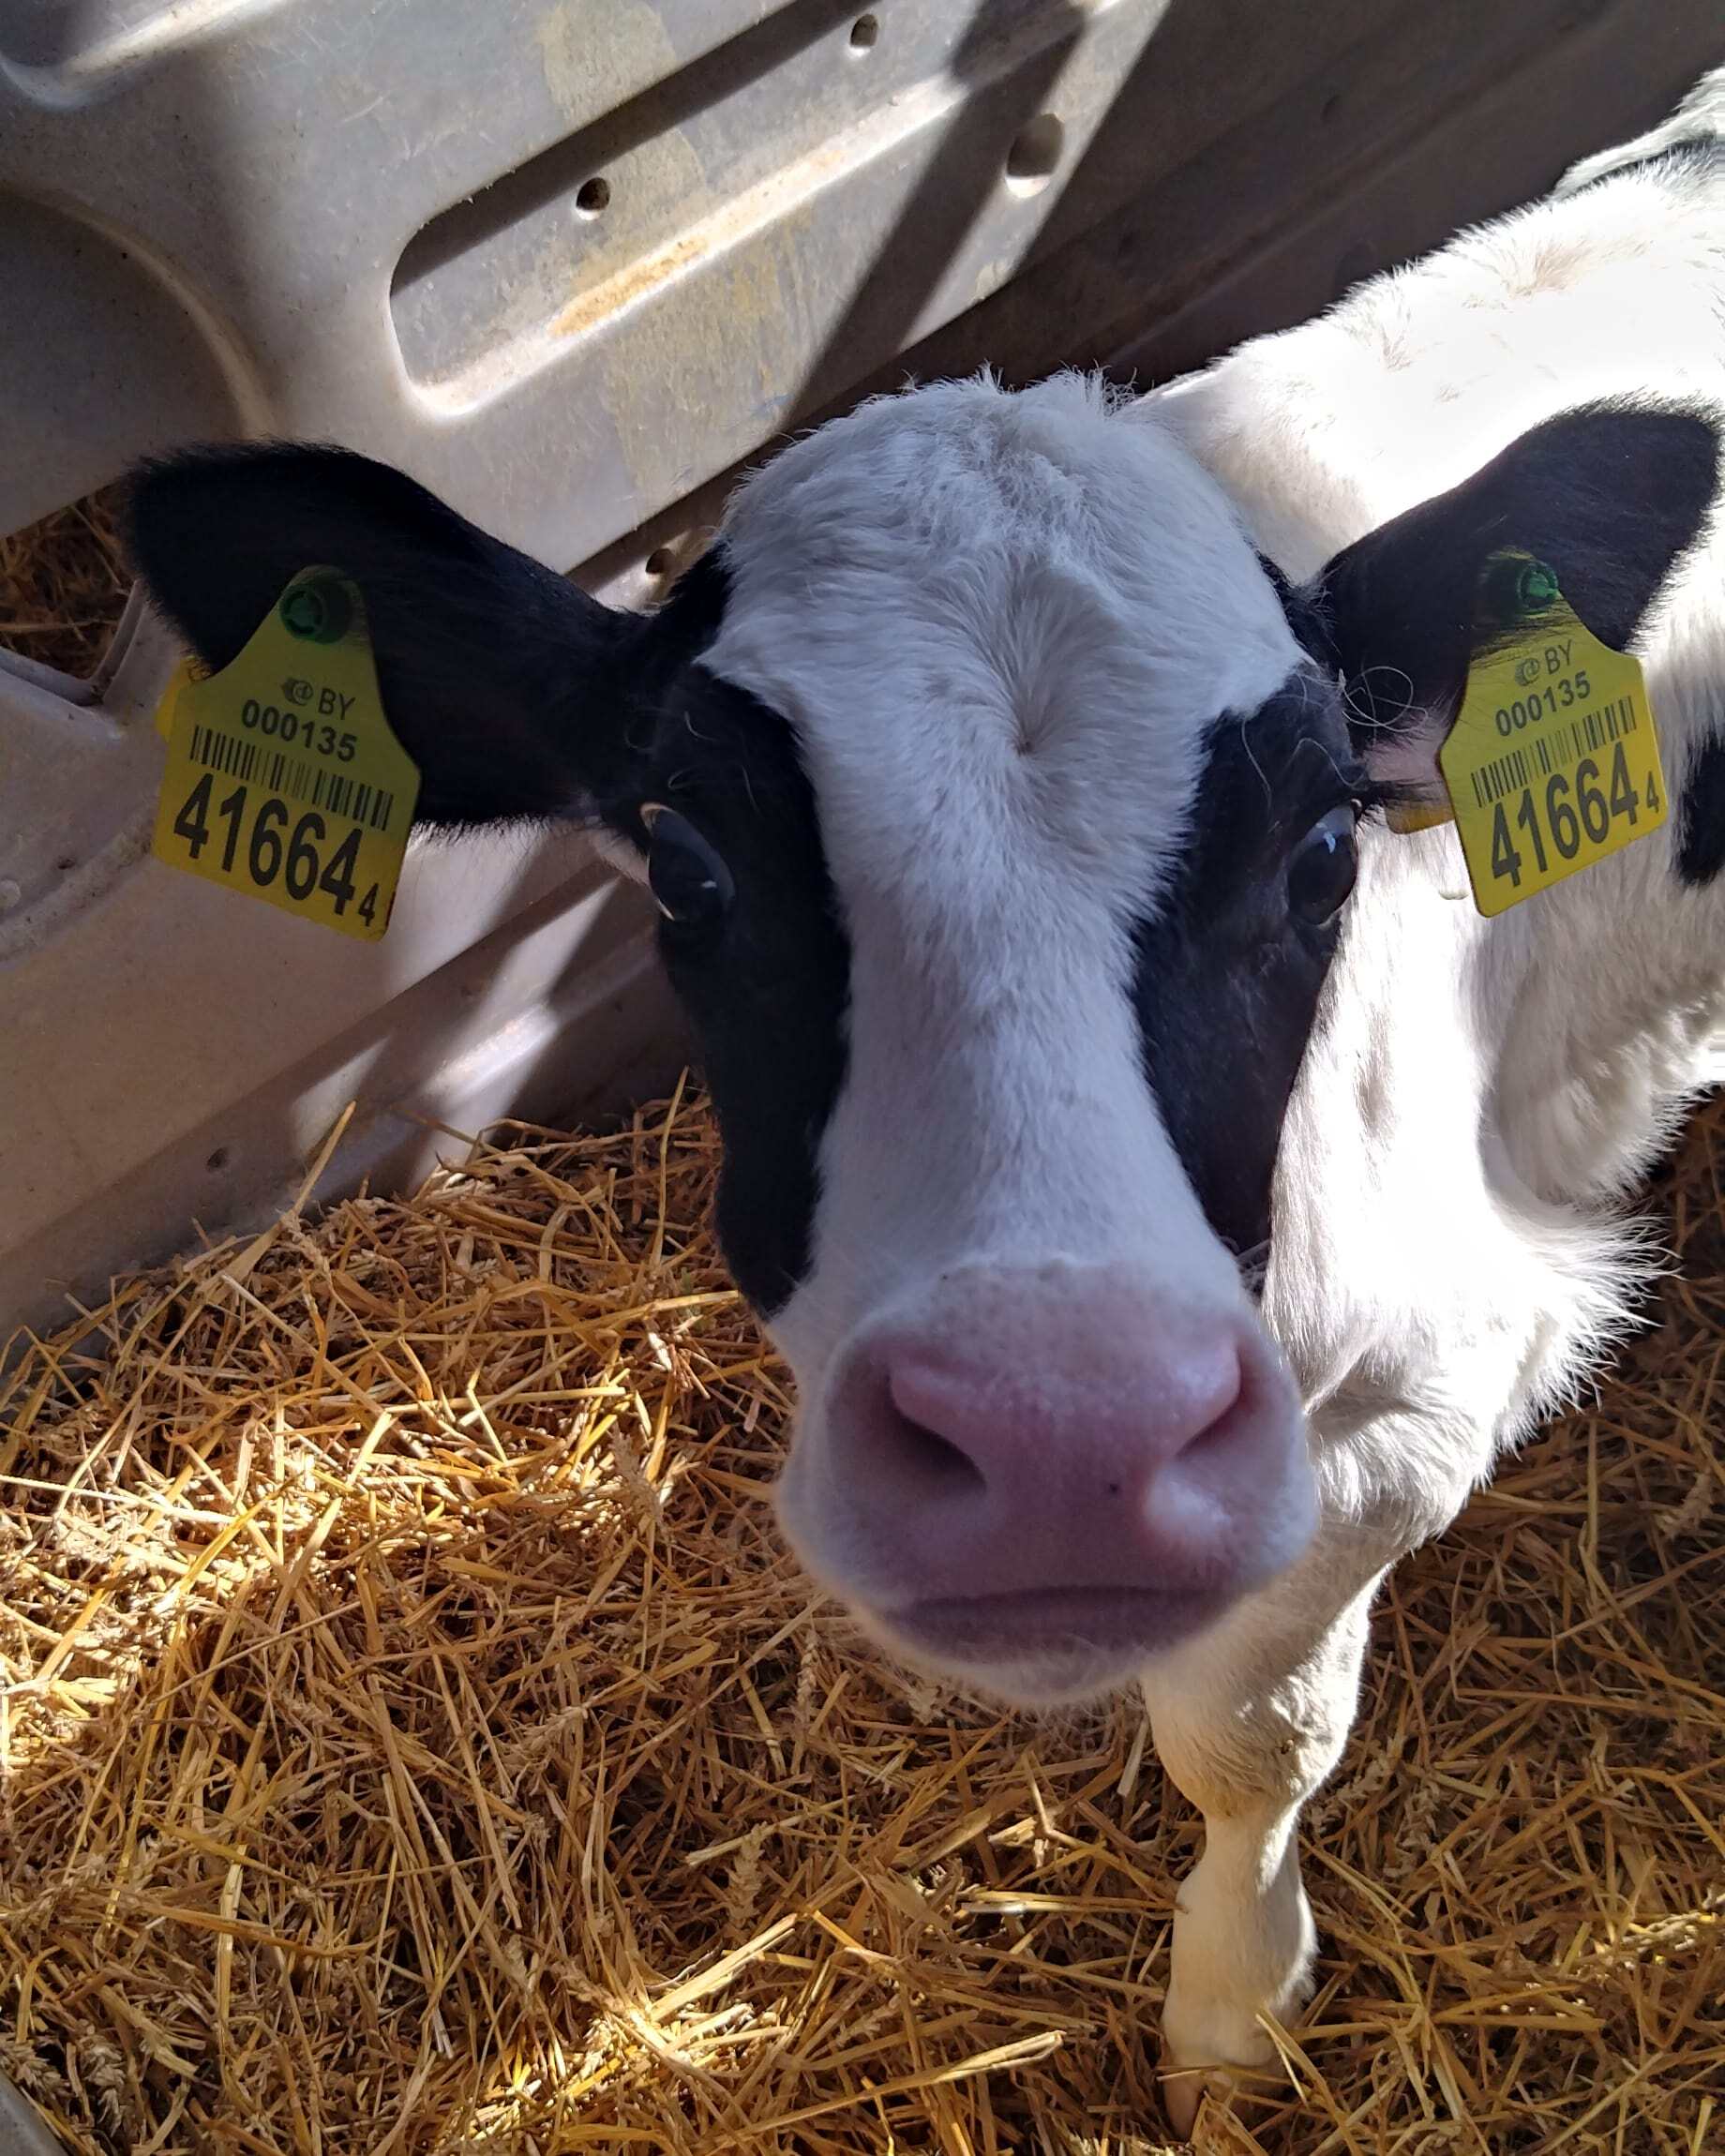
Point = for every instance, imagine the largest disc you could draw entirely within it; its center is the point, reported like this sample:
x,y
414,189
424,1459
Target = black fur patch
x,y
1701,824
1228,981
1609,495
766,988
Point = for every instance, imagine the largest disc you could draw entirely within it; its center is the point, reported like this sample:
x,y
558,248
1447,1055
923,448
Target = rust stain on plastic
x,y
735,357
611,294
771,204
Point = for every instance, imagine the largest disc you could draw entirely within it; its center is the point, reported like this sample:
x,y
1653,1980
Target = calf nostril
x,y
941,1457
1228,1414
942,1467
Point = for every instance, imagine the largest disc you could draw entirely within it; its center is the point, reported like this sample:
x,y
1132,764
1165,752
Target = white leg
x,y
1248,1721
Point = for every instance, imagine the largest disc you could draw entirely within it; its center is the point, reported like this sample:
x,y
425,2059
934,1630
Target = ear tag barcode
x,y
283,779
1554,762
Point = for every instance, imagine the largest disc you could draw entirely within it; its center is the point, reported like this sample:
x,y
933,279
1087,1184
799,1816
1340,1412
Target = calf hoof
x,y
1194,2067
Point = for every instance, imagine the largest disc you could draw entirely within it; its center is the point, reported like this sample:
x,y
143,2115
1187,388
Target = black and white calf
x,y
1170,1193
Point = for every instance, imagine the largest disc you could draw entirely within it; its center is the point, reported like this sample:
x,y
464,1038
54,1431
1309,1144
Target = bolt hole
x,y
66,862
661,562
1032,160
593,196
219,1159
865,33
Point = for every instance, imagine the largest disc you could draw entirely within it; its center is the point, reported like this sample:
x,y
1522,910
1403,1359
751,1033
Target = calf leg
x,y
1249,1720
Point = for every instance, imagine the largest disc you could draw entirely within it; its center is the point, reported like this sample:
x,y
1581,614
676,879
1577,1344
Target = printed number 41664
x,y
269,850
1569,811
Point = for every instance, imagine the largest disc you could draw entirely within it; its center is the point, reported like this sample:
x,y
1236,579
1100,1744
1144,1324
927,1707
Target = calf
x,y
1170,1193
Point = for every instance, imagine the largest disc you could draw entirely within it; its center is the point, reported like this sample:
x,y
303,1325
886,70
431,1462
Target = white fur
x,y
998,667
998,625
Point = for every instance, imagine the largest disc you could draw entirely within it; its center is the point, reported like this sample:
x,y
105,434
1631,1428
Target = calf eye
x,y
691,883
1321,874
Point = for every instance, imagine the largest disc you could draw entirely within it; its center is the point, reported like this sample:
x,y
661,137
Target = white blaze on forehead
x,y
947,586
999,626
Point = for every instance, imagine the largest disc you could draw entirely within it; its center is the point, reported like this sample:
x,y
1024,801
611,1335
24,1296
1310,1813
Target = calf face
x,y
1000,806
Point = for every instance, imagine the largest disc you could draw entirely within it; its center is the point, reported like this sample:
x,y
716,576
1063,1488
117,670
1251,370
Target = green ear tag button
x,y
318,610
1553,761
283,778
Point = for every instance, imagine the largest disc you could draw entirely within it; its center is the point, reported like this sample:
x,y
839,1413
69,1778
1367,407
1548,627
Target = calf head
x,y
1001,805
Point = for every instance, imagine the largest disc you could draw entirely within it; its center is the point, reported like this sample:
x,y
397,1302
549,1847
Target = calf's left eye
x,y
1321,873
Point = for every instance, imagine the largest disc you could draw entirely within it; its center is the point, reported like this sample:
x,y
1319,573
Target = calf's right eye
x,y
1322,871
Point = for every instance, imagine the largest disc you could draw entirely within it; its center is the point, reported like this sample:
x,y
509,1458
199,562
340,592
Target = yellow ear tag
x,y
1413,817
283,779
1554,762
188,670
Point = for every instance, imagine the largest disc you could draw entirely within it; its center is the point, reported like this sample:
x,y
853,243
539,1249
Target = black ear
x,y
1608,494
509,688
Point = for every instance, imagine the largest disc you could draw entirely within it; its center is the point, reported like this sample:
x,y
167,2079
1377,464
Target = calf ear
x,y
1608,494
508,687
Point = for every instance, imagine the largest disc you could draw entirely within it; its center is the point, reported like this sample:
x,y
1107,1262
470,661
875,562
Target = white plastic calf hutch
x,y
571,263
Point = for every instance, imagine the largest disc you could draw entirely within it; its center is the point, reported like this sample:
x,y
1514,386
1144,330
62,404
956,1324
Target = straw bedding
x,y
413,1739
417,1740
63,585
